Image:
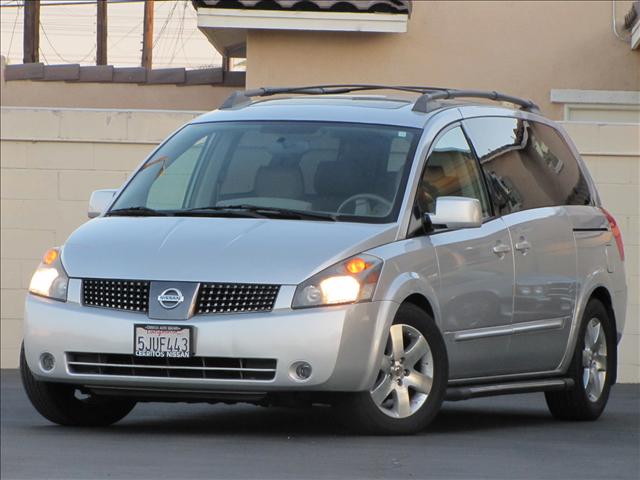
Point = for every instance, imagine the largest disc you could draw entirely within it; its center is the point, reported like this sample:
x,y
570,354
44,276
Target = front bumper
x,y
342,343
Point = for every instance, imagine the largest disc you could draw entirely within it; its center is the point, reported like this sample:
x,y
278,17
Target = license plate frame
x,y
167,332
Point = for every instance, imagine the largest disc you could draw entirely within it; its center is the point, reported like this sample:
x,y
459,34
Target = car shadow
x,y
455,419
236,421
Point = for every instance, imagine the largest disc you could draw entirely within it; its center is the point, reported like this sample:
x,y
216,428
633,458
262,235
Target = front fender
x,y
410,267
391,296
413,283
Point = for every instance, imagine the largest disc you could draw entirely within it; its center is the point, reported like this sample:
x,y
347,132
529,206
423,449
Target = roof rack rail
x,y
242,97
427,94
422,104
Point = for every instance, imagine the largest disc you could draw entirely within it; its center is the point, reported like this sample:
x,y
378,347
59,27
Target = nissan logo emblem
x,y
170,298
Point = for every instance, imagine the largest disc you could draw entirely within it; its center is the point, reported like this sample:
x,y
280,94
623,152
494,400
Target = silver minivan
x,y
377,253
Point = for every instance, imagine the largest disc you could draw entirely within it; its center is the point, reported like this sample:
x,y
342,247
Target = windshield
x,y
313,170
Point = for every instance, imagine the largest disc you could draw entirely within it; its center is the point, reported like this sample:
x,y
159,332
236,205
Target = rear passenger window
x,y
527,164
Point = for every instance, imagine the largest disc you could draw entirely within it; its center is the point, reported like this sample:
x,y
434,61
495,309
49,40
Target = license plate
x,y
162,341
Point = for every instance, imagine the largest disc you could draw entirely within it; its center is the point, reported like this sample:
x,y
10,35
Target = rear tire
x,y
59,403
590,369
418,376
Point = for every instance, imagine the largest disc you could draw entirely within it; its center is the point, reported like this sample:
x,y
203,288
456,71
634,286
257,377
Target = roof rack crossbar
x,y
422,104
242,97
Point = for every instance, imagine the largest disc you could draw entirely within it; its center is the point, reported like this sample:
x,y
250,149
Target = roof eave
x,y
227,29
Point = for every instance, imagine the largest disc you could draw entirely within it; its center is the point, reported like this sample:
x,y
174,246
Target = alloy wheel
x,y
594,360
406,373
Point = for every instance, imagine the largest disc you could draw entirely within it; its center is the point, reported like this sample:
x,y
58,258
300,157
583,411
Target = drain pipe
x,y
614,23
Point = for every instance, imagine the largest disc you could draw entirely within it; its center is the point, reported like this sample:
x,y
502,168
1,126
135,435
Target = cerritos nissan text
x,y
380,254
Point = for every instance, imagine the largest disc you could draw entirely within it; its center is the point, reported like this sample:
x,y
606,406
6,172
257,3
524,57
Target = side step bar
x,y
490,389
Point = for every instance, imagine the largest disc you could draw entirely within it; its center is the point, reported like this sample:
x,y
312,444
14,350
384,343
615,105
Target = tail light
x,y
615,229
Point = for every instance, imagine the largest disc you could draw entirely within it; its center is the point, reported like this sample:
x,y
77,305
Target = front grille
x,y
218,368
132,295
236,297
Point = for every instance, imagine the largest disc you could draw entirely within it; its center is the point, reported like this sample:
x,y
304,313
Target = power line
x,y
13,31
139,25
68,3
44,32
43,56
164,26
180,32
177,39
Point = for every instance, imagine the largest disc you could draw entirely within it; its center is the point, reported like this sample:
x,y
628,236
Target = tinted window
x,y
451,171
527,164
355,171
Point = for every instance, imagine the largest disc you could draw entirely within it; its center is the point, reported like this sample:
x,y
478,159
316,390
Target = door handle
x,y
523,245
501,249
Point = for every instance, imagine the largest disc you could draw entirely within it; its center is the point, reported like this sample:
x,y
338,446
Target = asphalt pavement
x,y
499,438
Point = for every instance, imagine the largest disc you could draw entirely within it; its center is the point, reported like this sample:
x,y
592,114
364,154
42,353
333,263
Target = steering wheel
x,y
368,197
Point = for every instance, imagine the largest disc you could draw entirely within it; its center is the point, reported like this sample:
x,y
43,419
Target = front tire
x,y
590,369
60,403
412,381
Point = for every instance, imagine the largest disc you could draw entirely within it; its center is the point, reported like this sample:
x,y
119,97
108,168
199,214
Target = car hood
x,y
235,250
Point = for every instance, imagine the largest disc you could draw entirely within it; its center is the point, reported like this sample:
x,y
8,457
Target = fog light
x,y
47,362
300,371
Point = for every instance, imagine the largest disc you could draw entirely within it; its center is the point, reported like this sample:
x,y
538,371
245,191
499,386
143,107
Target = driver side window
x,y
451,171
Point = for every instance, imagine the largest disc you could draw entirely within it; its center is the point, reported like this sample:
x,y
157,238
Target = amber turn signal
x,y
50,257
356,265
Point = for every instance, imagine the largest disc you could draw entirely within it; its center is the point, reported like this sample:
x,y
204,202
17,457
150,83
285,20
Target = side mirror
x,y
455,212
100,201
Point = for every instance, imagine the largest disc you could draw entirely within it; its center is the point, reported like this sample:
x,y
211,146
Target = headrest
x,y
434,172
339,178
279,181
288,147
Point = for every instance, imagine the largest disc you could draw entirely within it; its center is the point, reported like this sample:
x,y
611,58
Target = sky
x,y
68,33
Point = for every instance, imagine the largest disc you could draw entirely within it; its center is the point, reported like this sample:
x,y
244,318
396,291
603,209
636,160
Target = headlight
x,y
50,279
352,280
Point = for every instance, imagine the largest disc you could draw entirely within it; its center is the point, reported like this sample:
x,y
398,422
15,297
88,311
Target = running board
x,y
487,390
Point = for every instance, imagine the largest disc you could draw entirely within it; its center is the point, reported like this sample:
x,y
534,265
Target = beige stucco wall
x,y
26,93
612,152
51,159
522,48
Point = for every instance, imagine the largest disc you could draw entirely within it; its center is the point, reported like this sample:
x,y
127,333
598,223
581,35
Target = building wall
x,y
51,160
26,93
522,48
612,152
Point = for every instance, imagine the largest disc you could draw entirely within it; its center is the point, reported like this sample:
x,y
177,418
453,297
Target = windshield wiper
x,y
262,212
217,212
289,213
136,212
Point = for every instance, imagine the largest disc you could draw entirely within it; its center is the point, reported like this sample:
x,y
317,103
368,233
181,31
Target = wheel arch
x,y
602,294
420,301
412,287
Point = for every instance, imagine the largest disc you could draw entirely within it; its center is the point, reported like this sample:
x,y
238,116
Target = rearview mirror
x,y
100,201
456,212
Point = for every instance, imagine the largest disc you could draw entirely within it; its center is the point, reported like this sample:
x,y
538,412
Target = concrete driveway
x,y
502,437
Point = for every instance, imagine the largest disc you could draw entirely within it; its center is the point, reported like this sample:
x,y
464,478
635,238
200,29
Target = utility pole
x,y
147,35
31,38
101,33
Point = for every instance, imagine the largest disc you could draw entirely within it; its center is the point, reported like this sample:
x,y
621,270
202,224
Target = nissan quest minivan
x,y
377,253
